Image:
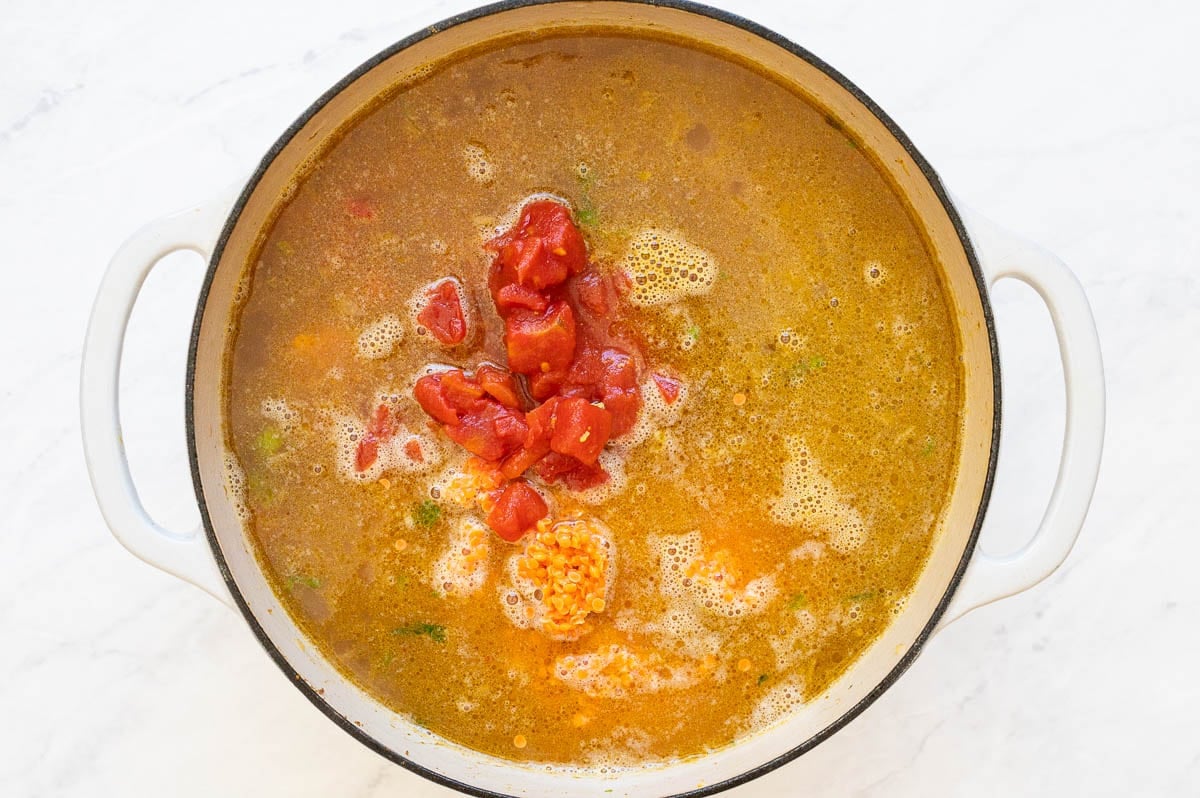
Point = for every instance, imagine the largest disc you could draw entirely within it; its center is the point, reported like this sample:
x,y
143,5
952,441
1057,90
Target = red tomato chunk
x,y
443,314
517,510
580,429
380,428
543,248
540,342
472,418
668,388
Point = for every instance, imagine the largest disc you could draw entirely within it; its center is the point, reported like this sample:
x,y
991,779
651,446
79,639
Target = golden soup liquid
x,y
758,533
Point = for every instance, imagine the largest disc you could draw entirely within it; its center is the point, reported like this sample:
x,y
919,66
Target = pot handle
x,y
186,555
1003,255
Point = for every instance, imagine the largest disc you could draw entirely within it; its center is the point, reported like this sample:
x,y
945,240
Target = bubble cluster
x,y
779,702
902,327
709,582
793,340
614,464
379,338
615,671
656,414
278,410
664,268
479,166
235,486
874,273
808,550
810,499
463,567
405,451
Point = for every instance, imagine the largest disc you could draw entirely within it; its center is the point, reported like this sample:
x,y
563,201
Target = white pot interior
x,y
361,713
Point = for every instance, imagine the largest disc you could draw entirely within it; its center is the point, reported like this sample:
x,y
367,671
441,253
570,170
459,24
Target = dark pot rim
x,y
507,5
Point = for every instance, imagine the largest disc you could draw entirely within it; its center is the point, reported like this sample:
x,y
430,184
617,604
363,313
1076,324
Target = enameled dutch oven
x,y
219,559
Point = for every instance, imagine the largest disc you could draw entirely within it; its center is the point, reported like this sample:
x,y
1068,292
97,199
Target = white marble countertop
x,y
1077,127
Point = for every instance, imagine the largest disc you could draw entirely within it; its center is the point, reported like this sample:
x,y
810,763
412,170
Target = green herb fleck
x,y
426,514
762,677
269,441
435,632
693,332
866,595
304,579
797,602
805,365
927,447
586,216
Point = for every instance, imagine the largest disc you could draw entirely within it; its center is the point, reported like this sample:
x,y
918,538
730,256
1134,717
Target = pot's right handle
x,y
185,555
1002,254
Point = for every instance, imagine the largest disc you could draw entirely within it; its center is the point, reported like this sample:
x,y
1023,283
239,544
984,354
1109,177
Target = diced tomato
x,y
593,294
366,454
499,383
532,264
412,450
443,314
587,369
515,295
580,429
619,370
544,247
556,467
544,385
521,461
474,419
540,422
510,428
492,432
624,406
460,390
517,510
381,426
429,395
360,208
669,388
619,390
540,342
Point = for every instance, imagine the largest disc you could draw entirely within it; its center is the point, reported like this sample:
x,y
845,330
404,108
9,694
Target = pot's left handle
x,y
186,555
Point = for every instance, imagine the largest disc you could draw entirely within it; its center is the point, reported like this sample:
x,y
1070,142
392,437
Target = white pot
x,y
219,559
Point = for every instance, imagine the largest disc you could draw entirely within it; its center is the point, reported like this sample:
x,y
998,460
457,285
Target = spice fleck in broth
x,y
647,538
